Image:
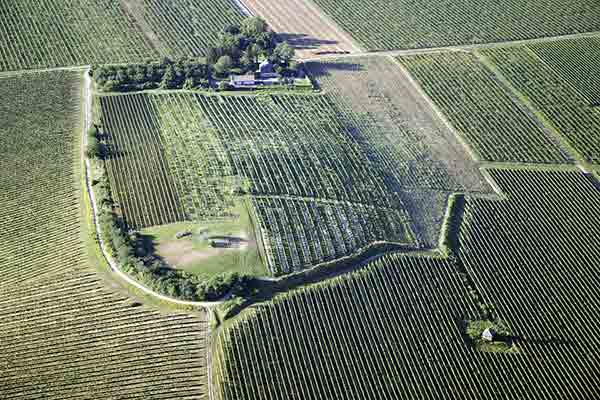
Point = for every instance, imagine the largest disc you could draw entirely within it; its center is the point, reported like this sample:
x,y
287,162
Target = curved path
x,y
114,266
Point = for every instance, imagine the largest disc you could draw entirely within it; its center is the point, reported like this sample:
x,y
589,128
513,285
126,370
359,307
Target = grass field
x,y
392,330
560,104
400,24
67,332
496,125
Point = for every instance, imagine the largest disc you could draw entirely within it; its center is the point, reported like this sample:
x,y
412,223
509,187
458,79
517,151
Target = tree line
x,y
239,50
131,251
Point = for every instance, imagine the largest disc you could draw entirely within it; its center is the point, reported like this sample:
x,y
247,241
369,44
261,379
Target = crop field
x,y
577,61
66,32
391,330
141,179
301,233
549,224
400,24
39,200
182,28
560,104
65,334
66,337
496,125
303,26
57,33
417,154
189,153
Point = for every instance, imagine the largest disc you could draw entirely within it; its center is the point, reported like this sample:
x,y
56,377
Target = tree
x,y
283,54
223,65
253,26
233,29
169,79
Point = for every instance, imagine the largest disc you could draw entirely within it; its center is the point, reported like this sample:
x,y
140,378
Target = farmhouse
x,y
241,81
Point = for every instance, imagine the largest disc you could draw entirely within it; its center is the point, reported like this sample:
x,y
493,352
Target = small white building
x,y
488,335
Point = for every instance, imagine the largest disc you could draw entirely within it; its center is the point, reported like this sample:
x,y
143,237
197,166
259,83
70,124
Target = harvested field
x,y
303,25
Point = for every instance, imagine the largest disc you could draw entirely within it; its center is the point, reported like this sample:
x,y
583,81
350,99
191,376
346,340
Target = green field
x,y
562,107
197,153
543,279
496,125
59,33
396,329
577,61
67,333
400,24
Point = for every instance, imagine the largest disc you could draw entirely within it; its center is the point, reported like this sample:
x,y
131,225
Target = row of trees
x,y
239,50
131,251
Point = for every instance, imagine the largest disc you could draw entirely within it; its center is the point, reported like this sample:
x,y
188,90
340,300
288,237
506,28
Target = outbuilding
x,y
488,335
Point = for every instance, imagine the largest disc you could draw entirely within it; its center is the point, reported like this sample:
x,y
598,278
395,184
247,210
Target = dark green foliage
x,y
166,74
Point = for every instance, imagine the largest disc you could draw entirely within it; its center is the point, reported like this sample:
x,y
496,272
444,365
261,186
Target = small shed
x,y
488,335
220,242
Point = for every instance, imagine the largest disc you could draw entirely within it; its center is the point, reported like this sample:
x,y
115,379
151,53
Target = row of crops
x,y
182,156
399,24
64,335
67,32
182,28
301,233
496,125
577,61
411,147
535,255
38,176
56,33
391,330
562,105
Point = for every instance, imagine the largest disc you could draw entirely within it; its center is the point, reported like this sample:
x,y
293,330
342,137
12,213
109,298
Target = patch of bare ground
x,y
420,156
303,25
181,253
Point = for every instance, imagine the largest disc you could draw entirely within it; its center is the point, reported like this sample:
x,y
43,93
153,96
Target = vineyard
x,y
64,334
141,180
549,223
67,32
66,337
179,157
392,330
577,61
39,201
560,104
400,24
417,154
496,125
182,28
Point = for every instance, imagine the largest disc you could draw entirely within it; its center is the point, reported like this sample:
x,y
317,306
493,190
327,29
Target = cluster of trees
x,y
241,47
165,74
130,248
239,50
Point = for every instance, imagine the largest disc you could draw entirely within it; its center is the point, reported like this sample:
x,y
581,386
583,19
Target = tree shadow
x,y
319,69
302,41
